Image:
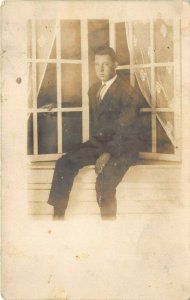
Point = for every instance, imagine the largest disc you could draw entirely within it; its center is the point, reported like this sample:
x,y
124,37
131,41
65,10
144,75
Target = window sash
x,y
85,82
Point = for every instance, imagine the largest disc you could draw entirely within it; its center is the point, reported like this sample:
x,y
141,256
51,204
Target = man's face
x,y
104,67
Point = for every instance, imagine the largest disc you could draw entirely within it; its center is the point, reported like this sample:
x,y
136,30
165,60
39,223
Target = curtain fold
x,y
45,31
140,48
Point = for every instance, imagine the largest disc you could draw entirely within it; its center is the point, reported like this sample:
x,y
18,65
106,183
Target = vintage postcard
x,y
95,155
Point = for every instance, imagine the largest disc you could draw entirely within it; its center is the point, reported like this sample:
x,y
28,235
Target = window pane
x,y
47,133
72,130
71,85
164,87
30,135
46,85
143,78
141,101
168,120
163,31
163,143
53,51
45,39
146,132
141,42
122,50
70,39
98,36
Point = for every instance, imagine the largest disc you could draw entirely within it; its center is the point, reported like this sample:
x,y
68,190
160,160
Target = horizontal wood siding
x,y
150,188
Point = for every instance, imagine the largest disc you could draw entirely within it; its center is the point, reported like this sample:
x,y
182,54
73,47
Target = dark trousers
x,y
68,166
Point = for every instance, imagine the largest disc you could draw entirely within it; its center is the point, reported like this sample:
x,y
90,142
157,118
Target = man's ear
x,y
116,64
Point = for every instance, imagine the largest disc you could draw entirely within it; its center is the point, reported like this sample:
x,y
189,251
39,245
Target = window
x,y
150,52
58,87
61,69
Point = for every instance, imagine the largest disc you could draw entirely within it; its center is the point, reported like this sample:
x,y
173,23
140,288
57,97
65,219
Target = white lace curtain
x,y
144,51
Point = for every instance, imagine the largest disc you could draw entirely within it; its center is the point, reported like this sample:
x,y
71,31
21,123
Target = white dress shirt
x,y
106,84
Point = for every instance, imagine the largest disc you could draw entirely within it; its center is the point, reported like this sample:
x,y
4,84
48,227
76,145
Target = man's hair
x,y
106,50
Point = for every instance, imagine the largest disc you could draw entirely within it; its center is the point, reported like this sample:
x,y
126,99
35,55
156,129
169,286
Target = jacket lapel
x,y
105,101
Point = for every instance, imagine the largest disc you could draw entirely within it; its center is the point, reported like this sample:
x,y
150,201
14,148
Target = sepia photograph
x,y
104,117
95,155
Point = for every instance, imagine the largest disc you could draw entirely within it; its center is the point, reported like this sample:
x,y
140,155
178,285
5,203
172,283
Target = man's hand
x,y
101,162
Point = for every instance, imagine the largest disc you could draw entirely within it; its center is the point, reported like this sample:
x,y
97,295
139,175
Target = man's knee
x,y
61,160
65,160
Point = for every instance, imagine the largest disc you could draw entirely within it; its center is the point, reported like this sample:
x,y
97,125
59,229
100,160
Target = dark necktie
x,y
98,95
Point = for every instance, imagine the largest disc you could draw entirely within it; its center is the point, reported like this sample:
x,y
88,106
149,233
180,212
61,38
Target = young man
x,y
113,143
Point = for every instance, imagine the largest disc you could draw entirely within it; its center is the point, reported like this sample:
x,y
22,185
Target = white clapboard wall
x,y
147,188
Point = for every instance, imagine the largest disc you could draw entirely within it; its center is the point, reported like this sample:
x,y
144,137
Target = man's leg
x,y
64,173
66,169
107,182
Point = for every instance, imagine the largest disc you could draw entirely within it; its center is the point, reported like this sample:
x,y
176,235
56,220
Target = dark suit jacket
x,y
114,121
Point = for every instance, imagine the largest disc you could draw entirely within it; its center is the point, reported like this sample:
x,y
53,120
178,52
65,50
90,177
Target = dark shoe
x,y
108,209
108,218
58,217
58,214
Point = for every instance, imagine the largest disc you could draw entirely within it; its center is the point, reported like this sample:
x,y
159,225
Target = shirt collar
x,y
110,81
